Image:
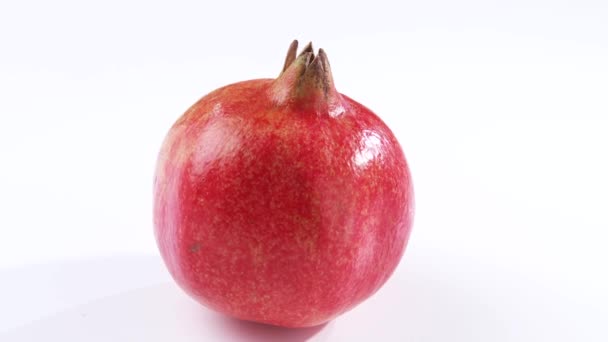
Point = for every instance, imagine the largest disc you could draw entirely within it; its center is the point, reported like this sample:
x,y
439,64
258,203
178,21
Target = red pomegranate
x,y
282,201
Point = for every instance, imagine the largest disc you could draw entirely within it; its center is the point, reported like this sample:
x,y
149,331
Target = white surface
x,y
428,300
501,110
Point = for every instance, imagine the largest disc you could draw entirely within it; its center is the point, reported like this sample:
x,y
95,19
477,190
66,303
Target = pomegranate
x,y
282,201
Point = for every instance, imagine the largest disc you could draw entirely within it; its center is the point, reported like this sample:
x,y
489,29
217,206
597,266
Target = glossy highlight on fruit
x,y
282,201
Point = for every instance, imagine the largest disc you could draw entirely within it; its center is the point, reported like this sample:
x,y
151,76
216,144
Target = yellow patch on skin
x,y
306,235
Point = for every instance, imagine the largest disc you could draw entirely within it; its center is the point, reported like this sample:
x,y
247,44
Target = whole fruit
x,y
281,200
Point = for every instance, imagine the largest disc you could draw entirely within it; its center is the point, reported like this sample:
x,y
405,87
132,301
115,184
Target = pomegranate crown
x,y
306,80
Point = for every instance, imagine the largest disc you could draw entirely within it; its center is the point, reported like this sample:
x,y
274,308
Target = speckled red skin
x,y
267,211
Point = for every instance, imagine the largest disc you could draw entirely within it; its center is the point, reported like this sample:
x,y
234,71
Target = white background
x,y
501,108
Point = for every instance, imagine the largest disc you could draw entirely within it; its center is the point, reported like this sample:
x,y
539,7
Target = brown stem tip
x,y
291,54
306,76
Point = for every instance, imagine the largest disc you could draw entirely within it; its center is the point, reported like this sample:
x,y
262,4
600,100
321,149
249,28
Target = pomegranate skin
x,y
281,209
